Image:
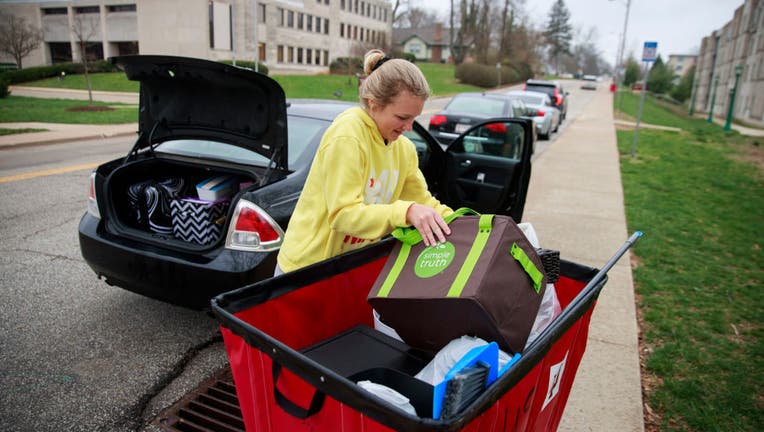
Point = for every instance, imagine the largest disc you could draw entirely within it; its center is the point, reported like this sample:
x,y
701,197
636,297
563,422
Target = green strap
x,y
530,268
395,271
411,236
484,231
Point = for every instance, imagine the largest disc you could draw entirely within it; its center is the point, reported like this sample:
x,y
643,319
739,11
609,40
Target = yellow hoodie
x,y
358,190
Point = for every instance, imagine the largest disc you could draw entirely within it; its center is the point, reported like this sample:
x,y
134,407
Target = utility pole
x,y
619,66
728,124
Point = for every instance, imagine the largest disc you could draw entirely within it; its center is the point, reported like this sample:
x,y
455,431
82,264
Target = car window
x,y
506,140
530,99
422,149
301,131
478,105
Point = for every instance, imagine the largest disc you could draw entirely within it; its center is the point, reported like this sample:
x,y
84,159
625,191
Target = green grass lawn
x,y
699,197
337,87
26,109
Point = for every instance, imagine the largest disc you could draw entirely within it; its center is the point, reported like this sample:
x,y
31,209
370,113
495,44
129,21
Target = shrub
x,y
346,66
248,64
42,72
486,76
410,57
4,83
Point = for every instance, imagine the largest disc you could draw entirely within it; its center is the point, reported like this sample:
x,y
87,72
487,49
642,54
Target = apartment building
x,y
679,64
290,35
738,47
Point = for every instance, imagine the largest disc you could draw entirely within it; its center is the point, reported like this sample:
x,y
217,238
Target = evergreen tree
x,y
631,74
559,32
659,78
684,89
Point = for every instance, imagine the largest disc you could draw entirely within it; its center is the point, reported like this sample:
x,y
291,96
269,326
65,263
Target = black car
x,y
467,109
227,134
557,94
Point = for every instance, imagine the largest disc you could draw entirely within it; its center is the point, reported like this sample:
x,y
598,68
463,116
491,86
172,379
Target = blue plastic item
x,y
487,355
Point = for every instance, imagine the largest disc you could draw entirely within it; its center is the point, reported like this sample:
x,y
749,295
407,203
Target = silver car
x,y
546,118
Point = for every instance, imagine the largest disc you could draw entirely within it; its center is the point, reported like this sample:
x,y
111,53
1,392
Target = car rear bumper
x,y
182,279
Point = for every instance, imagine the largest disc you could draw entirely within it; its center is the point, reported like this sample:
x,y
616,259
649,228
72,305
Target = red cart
x,y
269,328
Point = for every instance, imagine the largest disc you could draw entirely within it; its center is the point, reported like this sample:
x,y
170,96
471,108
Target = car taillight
x,y
497,127
252,229
92,200
557,97
525,86
437,120
540,113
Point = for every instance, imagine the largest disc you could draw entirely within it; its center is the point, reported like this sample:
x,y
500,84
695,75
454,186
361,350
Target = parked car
x,y
467,109
545,116
211,129
554,90
590,82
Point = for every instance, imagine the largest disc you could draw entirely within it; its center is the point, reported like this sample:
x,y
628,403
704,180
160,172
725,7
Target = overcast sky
x,y
677,25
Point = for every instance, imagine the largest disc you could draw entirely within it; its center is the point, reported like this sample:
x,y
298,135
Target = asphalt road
x,y
75,353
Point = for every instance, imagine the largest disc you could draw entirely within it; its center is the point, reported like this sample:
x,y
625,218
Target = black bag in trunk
x,y
150,203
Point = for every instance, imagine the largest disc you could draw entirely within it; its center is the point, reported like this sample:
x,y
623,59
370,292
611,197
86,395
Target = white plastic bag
x,y
449,355
389,395
530,233
548,311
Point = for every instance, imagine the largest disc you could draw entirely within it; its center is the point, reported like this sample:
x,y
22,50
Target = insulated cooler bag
x,y
486,280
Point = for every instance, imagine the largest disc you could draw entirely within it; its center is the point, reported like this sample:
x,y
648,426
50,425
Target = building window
x,y
60,52
342,4
300,19
86,9
291,55
121,8
280,54
326,58
261,12
261,52
326,26
342,29
54,11
281,17
317,60
309,22
308,56
299,55
290,19
127,48
220,25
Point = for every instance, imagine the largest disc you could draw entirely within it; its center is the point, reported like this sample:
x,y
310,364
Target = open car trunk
x,y
176,203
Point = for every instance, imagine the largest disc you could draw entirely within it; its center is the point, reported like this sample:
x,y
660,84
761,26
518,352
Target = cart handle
x,y
290,407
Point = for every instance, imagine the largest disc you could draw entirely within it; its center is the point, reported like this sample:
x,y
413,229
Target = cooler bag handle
x,y
410,235
290,407
484,231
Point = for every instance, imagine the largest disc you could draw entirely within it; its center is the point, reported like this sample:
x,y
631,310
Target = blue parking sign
x,y
650,51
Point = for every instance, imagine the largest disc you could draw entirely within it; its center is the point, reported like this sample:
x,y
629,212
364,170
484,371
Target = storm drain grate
x,y
213,406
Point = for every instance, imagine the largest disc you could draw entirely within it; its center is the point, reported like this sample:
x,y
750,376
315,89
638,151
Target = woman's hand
x,y
429,223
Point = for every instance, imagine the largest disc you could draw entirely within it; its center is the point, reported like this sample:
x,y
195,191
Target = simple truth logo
x,y
434,259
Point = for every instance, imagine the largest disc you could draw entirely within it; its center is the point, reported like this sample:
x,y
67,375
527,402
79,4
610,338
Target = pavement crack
x,y
47,254
134,416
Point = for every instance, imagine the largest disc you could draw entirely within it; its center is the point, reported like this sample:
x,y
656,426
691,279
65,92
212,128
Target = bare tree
x,y
483,32
84,29
505,35
17,38
464,36
418,17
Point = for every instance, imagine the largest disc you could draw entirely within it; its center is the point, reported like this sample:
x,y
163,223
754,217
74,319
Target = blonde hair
x,y
386,78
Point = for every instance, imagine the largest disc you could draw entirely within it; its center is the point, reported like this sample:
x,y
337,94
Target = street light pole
x,y
619,66
728,124
713,101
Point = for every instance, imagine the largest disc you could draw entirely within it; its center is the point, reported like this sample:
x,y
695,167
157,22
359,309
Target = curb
x,y
59,140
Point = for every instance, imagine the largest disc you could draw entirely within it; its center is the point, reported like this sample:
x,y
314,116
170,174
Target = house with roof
x,y
429,43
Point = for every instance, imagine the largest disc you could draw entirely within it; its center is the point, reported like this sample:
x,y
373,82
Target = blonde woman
x,y
365,178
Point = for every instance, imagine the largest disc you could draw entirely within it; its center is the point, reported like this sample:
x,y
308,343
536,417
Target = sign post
x,y
649,54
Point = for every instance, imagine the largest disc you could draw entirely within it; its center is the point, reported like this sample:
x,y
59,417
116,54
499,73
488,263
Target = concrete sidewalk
x,y
575,203
58,132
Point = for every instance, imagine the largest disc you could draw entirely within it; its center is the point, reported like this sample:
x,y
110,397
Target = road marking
x,y
49,172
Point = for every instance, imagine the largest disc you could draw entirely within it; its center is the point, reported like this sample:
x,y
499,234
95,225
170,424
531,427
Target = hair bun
x,y
371,59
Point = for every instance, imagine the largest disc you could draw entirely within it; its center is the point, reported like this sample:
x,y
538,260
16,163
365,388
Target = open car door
x,y
487,168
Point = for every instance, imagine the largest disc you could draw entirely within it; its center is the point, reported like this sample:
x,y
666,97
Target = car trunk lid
x,y
186,98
